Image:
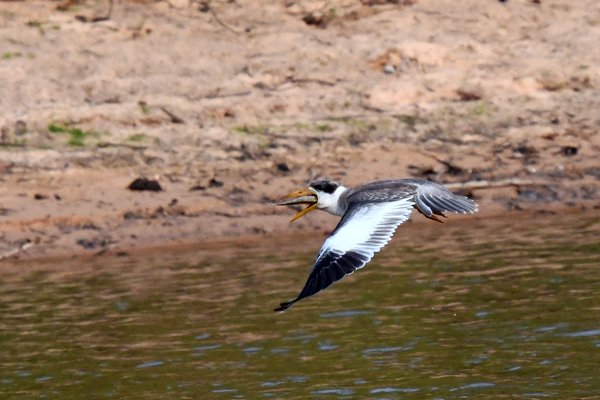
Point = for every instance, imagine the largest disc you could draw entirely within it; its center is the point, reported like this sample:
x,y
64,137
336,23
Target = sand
x,y
231,104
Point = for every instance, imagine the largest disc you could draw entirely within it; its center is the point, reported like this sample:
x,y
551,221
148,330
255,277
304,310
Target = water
x,y
469,309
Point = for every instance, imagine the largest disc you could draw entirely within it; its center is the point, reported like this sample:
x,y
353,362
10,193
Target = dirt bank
x,y
232,104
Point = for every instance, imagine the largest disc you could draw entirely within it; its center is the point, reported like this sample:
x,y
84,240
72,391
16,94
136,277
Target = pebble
x,y
389,69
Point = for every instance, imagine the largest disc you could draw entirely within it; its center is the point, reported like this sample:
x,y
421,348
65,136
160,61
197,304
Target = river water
x,y
474,308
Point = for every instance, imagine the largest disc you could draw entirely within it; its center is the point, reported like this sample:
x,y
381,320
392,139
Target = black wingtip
x,y
284,306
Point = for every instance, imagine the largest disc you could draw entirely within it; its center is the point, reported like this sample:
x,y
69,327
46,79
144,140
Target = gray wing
x,y
433,199
430,198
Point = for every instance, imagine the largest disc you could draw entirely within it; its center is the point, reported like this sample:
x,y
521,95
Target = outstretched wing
x,y
432,198
363,230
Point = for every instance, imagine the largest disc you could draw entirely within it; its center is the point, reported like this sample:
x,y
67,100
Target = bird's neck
x,y
335,203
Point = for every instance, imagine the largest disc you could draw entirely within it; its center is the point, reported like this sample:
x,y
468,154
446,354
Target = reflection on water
x,y
461,310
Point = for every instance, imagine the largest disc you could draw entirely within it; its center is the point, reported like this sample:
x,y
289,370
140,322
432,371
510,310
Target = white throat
x,y
331,202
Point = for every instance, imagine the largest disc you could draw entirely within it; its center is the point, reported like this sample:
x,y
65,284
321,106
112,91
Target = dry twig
x,y
487,184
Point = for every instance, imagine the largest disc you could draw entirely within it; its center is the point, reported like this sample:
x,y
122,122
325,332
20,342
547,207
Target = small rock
x,y
89,226
197,187
550,136
389,69
131,215
204,6
215,183
86,244
20,128
525,150
145,184
470,92
40,196
535,195
93,243
282,167
569,150
422,171
317,19
452,169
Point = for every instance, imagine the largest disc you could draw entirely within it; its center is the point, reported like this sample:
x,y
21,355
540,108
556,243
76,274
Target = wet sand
x,y
234,105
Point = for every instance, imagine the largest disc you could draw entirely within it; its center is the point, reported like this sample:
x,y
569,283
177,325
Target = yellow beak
x,y
303,196
304,212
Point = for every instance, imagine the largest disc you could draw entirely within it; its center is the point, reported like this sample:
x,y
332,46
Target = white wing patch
x,y
361,233
369,229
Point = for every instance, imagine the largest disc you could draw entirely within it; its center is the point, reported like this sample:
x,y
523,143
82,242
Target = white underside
x,y
369,229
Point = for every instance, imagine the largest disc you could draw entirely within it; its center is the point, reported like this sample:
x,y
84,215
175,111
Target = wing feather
x,y
432,198
364,229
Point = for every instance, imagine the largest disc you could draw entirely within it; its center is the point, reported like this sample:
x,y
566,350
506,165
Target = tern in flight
x,y
370,215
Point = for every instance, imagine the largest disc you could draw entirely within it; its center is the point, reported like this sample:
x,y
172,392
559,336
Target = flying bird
x,y
370,215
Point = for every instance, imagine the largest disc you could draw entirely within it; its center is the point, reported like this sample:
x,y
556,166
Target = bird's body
x,y
370,215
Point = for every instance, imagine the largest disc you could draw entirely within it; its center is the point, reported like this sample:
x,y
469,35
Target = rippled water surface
x,y
468,309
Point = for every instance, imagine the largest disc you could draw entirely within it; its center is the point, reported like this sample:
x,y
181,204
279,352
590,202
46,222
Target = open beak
x,y
304,196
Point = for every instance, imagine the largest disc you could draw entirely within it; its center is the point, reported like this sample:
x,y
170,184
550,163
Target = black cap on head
x,y
325,185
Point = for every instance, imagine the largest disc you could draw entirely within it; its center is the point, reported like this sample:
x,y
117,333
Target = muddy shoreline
x,y
294,241
216,107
